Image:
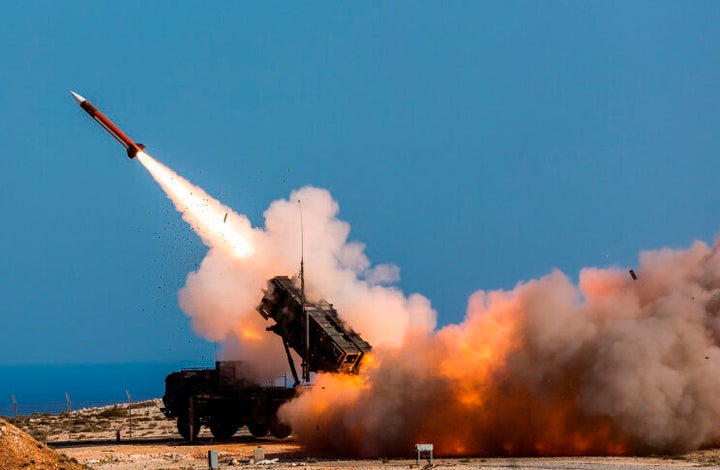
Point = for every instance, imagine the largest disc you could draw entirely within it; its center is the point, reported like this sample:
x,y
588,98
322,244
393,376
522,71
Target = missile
x,y
131,147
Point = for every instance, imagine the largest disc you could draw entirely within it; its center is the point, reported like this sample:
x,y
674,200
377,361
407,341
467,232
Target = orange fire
x,y
470,389
250,335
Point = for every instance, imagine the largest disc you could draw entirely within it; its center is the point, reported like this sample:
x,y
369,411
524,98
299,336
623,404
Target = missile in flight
x,y
131,147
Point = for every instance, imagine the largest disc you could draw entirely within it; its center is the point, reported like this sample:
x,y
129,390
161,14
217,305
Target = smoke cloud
x,y
610,365
221,296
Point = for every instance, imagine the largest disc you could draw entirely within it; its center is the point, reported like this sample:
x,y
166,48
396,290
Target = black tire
x,y
280,430
183,427
223,430
258,430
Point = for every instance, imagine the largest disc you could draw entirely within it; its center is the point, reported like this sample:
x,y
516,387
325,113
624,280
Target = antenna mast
x,y
306,319
302,256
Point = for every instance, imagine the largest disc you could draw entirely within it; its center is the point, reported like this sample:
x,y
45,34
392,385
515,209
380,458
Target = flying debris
x,y
633,275
132,147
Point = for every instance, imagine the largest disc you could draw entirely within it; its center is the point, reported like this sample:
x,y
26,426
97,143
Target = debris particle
x,y
633,275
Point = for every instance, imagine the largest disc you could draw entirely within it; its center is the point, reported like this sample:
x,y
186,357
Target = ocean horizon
x,y
41,388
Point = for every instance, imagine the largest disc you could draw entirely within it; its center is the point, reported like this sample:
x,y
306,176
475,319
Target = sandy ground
x,y
150,442
19,450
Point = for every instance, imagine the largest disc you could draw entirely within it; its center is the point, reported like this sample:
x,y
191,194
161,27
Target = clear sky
x,y
473,144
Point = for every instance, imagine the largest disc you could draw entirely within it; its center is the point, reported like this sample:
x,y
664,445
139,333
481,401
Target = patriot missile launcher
x,y
312,329
224,399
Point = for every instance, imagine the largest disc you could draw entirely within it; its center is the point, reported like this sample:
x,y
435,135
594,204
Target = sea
x,y
46,388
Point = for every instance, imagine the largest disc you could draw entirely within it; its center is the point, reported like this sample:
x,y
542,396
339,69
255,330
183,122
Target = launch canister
x,y
132,147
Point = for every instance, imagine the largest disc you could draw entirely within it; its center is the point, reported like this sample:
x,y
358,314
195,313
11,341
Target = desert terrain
x,y
89,438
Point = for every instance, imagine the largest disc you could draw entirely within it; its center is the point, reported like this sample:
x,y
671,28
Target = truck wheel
x,y
223,430
258,430
183,426
280,430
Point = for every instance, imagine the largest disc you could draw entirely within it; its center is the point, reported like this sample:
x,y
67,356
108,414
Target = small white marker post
x,y
14,400
426,449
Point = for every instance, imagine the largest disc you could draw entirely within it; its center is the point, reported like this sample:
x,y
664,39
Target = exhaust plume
x,y
610,366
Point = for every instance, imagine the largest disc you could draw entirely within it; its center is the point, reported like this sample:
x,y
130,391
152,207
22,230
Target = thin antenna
x,y
306,359
302,256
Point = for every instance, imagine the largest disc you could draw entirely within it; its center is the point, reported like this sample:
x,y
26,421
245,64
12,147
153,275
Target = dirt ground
x,y
148,441
19,450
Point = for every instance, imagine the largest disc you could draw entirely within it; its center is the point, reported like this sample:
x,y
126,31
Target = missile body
x,y
131,147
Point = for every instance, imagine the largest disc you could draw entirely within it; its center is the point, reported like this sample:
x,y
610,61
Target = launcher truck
x,y
224,399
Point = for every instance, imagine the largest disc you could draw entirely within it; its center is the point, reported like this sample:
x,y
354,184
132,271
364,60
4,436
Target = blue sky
x,y
473,144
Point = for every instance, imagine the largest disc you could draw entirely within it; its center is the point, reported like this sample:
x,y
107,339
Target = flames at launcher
x,y
206,215
612,366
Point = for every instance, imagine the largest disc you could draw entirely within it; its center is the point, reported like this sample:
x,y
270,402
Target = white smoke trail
x,y
206,215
